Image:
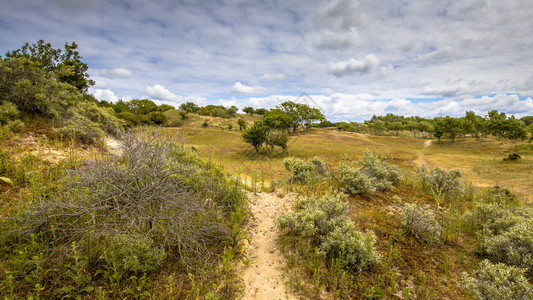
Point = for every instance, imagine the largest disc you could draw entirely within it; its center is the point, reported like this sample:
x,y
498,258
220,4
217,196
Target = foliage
x,y
308,172
300,114
513,246
28,88
421,223
134,253
440,182
384,176
139,112
322,220
256,135
353,182
497,281
66,67
157,204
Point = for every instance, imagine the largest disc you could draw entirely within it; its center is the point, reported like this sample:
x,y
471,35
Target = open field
x,y
481,160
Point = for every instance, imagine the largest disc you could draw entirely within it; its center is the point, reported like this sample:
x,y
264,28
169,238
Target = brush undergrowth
x,y
113,228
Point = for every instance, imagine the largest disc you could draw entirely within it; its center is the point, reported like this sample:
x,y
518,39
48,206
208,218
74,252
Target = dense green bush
x,y
309,171
322,220
8,112
497,281
421,223
440,182
134,253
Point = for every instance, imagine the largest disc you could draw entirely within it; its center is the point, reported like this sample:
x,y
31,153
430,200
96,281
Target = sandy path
x,y
420,159
262,277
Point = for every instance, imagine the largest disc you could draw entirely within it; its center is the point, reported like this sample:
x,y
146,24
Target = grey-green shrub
x,y
513,246
355,248
493,218
353,182
305,171
384,176
421,223
322,220
440,182
497,281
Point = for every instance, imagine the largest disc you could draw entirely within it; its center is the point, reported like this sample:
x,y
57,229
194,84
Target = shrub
x,y
356,249
8,112
493,218
499,195
305,171
513,246
512,157
158,189
439,181
421,223
353,182
15,125
323,221
497,281
134,253
384,176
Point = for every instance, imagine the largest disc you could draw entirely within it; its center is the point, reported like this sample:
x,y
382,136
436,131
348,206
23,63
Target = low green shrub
x,y
8,112
440,182
513,246
307,172
384,176
353,182
322,221
134,253
421,223
497,281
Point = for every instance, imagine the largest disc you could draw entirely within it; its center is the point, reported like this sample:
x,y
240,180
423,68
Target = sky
x,y
354,58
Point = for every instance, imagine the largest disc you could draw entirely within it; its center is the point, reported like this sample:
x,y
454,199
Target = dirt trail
x,y
262,277
420,159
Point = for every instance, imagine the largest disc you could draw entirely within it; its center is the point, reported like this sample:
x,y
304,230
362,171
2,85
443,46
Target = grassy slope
x,y
482,160
434,272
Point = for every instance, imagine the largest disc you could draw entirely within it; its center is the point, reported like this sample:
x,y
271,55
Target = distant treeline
x,y
494,123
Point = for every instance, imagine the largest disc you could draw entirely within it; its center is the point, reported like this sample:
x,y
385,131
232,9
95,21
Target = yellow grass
x,y
481,160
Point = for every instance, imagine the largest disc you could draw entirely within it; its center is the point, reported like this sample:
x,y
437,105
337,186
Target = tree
x,y
451,127
261,111
249,110
275,118
66,67
241,123
256,135
189,107
277,138
497,123
438,127
516,129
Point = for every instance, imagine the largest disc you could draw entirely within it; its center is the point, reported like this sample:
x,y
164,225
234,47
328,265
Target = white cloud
x,y
446,91
438,55
352,66
238,87
273,77
116,73
105,94
332,40
159,92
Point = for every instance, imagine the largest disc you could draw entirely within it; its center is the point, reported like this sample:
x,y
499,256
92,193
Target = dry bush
x,y
421,223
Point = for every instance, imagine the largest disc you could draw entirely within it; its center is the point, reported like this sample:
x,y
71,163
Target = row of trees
x,y
210,110
139,112
493,123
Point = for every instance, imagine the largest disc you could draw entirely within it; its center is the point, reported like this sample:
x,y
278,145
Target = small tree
x,y
256,135
249,110
241,123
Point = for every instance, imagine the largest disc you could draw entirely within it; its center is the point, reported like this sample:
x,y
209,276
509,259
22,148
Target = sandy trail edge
x,y
262,277
420,158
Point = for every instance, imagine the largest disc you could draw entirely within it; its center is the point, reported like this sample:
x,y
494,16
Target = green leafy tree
x,y
189,107
516,129
276,118
256,135
261,111
66,67
497,123
241,123
249,110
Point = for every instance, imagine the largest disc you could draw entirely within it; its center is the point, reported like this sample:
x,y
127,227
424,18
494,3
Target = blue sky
x,y
354,58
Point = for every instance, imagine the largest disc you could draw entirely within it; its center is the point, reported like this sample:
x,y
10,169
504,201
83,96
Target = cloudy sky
x,y
354,58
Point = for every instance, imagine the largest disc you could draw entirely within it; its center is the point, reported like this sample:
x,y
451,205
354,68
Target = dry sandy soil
x,y
262,277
